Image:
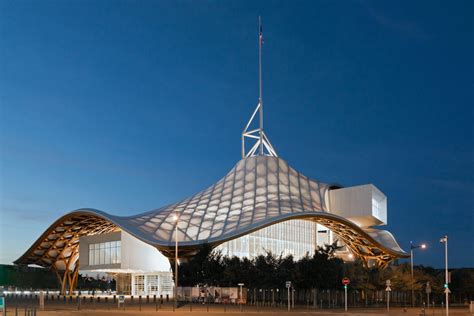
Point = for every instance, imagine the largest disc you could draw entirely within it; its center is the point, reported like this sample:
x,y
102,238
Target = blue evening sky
x,y
125,106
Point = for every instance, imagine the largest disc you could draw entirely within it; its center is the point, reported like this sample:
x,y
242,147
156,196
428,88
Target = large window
x,y
152,283
139,284
105,253
296,237
160,283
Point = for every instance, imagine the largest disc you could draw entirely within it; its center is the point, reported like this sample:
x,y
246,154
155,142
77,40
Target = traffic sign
x,y
288,284
388,283
447,291
346,281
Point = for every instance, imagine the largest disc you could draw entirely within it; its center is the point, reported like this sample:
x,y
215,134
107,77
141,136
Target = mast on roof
x,y
262,146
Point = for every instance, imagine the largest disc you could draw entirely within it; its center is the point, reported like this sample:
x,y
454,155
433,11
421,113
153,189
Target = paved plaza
x,y
167,309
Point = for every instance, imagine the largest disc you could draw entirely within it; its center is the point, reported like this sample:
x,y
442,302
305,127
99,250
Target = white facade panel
x,y
365,204
139,256
122,253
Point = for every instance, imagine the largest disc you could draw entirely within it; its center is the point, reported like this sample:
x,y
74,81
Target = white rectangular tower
x,y
364,204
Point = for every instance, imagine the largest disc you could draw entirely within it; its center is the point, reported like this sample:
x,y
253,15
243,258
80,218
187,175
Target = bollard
x,y
154,298
131,300
140,302
156,305
147,299
115,299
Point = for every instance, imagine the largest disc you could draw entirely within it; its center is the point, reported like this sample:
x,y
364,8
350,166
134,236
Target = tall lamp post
x,y
176,219
444,241
241,293
412,247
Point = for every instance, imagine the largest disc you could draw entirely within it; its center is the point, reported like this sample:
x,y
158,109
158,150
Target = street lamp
x,y
444,241
412,246
176,219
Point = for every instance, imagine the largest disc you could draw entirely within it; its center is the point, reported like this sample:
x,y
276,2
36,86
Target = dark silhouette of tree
x,y
322,270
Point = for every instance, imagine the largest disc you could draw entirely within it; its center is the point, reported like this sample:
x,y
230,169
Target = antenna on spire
x,y
260,98
263,143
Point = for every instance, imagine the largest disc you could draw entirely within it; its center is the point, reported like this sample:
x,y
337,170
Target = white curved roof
x,y
257,192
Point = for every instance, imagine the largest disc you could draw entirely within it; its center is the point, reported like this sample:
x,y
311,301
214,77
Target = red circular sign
x,y
346,281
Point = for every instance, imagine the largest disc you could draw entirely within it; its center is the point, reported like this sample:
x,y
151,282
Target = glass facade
x,y
105,253
295,237
139,284
152,284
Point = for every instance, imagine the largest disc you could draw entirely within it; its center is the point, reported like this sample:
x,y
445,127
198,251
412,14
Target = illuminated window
x,y
152,284
296,237
139,284
105,253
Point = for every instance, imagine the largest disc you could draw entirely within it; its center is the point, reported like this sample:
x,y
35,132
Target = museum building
x,y
261,205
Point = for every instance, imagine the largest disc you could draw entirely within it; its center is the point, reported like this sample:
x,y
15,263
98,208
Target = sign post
x,y
121,300
428,291
41,300
288,286
241,300
388,290
346,282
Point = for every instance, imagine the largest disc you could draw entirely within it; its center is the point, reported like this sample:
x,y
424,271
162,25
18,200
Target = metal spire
x,y
263,143
260,99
